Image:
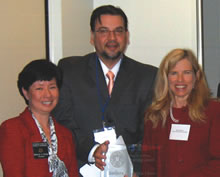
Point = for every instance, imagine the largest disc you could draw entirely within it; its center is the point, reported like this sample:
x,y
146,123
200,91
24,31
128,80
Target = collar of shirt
x,y
115,69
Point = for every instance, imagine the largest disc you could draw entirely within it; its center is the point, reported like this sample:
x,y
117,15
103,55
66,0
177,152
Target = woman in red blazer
x,y
182,128
33,144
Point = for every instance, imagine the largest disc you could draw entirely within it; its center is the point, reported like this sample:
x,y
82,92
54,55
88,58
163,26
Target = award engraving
x,y
117,159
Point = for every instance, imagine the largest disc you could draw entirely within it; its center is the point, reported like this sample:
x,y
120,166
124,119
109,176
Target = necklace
x,y
171,114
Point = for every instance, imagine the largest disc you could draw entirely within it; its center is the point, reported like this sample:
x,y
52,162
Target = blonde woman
x,y
182,126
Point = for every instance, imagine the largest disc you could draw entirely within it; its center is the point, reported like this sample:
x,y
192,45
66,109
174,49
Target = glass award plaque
x,y
118,162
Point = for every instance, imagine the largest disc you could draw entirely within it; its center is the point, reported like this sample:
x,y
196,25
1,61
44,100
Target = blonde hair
x,y
197,99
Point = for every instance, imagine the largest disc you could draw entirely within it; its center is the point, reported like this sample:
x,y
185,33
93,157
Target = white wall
x,y
69,28
22,37
157,26
76,29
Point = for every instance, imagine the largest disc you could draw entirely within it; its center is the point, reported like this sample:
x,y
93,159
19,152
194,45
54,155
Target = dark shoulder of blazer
x,y
75,64
75,59
141,68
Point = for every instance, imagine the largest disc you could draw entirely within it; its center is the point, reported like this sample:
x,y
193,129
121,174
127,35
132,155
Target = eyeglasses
x,y
106,32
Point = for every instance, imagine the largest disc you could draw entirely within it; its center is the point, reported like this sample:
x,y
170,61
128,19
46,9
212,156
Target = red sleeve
x,y
11,150
72,166
149,153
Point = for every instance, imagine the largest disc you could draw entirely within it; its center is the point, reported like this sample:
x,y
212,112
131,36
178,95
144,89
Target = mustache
x,y
112,43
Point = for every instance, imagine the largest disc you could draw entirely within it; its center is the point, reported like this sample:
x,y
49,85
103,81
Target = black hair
x,y
38,70
107,10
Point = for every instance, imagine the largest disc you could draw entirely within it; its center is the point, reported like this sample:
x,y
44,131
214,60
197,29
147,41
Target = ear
x,y
197,78
128,37
197,75
92,36
25,93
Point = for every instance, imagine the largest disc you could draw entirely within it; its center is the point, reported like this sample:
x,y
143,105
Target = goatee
x,y
113,57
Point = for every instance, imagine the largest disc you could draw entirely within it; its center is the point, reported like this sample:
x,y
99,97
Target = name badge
x,y
102,135
40,150
179,132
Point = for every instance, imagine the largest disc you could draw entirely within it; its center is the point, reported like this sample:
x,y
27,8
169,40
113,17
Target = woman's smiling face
x,y
42,96
181,79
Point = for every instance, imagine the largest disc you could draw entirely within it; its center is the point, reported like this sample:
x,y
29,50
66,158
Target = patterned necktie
x,y
110,76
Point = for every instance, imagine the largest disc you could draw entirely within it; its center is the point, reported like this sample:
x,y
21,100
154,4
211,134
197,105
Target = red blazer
x,y
197,157
16,152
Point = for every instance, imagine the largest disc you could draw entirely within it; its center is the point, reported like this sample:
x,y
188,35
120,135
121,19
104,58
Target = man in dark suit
x,y
85,102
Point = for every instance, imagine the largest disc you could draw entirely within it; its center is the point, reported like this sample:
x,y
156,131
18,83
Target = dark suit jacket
x,y
79,107
16,152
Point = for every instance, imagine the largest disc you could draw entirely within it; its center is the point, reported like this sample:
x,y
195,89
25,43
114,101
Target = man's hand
x,y
100,155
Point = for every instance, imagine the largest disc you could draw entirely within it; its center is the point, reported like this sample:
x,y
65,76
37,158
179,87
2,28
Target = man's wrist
x,y
91,158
